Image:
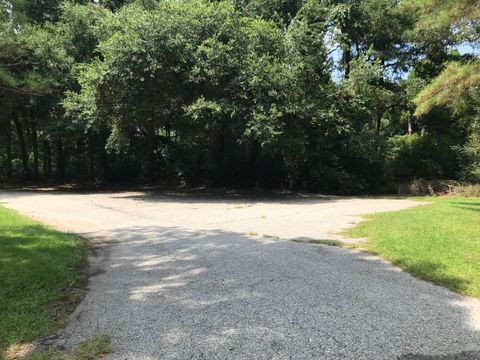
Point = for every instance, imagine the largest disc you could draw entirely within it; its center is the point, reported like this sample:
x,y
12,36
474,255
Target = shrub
x,y
418,156
423,187
467,190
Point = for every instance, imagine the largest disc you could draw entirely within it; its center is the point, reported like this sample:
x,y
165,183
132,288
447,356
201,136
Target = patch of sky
x,y
335,57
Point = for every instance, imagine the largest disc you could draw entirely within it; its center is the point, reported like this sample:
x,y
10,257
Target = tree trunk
x,y
91,156
22,144
221,149
9,149
33,124
377,124
347,58
254,154
60,157
103,168
47,159
347,52
151,149
104,160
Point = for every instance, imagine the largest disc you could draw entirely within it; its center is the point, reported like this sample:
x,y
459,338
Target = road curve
x,y
178,277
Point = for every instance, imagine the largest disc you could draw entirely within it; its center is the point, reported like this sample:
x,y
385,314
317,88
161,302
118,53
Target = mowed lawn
x,y
439,242
38,269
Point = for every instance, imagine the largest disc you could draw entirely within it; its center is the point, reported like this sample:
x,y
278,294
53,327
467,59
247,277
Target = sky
x,y
336,57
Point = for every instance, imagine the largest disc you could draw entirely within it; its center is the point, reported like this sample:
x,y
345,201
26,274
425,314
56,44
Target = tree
x,y
281,11
456,86
325,95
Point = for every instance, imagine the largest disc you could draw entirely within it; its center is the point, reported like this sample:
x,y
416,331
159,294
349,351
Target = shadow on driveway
x,y
168,293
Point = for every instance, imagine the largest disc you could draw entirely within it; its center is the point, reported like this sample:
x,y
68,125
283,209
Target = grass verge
x,y
92,349
40,278
439,243
327,242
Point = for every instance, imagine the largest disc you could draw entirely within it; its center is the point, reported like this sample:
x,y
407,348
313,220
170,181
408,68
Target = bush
x,y
418,156
467,190
422,187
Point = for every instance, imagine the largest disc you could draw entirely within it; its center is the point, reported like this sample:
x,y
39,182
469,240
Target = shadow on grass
x,y
36,240
473,206
433,272
40,270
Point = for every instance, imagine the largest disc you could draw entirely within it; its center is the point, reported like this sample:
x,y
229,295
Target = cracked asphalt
x,y
176,276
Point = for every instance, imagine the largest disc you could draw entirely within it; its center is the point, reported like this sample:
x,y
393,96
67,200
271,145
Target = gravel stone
x,y
178,277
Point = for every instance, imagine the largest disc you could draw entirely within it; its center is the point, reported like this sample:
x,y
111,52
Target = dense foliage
x,y
321,95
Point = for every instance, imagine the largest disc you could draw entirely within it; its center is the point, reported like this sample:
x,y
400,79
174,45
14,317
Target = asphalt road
x,y
178,277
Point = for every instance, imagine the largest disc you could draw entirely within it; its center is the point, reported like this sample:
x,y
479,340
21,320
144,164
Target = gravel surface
x,y
178,277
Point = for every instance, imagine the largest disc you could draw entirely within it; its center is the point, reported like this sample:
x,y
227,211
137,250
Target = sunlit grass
x,y
439,242
37,267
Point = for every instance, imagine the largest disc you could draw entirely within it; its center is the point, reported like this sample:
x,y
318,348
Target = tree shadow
x,y
189,195
433,272
466,205
36,265
174,293
233,196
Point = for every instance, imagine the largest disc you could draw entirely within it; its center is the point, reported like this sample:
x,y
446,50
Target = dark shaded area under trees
x,y
340,96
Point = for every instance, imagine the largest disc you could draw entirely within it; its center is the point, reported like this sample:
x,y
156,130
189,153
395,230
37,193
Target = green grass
x,y
92,349
38,269
439,242
326,242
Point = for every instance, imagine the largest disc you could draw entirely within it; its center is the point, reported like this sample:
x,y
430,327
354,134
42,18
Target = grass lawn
x,y
39,270
439,242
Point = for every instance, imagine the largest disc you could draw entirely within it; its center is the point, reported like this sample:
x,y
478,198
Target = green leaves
x,y
456,86
310,91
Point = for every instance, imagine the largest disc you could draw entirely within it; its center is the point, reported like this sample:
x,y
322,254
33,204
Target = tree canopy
x,y
338,96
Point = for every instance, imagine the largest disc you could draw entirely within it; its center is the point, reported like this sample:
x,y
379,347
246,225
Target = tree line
x,y
341,96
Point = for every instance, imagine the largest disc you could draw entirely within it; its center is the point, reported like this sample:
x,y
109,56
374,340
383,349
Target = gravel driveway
x,y
178,277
